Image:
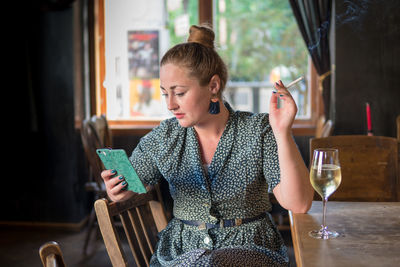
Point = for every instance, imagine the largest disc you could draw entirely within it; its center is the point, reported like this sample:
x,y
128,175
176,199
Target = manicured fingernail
x,y
113,171
281,95
274,92
121,177
124,183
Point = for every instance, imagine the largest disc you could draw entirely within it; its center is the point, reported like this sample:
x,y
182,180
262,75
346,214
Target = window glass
x,y
181,14
260,42
258,39
137,34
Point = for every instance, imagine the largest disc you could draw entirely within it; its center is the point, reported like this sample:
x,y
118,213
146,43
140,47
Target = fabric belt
x,y
224,223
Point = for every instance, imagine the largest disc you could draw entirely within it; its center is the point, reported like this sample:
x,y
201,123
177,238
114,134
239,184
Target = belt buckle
x,y
202,226
238,222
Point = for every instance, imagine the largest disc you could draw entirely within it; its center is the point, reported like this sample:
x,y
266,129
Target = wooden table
x,y
369,234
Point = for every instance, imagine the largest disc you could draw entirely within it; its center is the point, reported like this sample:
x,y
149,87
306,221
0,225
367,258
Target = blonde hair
x,y
198,55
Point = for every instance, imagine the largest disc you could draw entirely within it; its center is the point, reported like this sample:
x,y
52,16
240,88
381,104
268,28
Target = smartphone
x,y
118,160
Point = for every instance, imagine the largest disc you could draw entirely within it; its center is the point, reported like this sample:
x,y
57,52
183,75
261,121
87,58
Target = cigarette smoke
x,y
357,14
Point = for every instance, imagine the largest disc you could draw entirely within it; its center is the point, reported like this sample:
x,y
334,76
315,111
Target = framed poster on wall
x,y
144,81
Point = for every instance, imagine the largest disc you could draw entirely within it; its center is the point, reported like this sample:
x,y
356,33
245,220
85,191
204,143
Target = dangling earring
x,y
214,106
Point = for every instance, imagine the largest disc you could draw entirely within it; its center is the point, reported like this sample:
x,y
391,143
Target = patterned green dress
x,y
236,184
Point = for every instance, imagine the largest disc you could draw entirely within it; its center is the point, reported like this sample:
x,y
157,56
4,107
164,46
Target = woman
x,y
220,165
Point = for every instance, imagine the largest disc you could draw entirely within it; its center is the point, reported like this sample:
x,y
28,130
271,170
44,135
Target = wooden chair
x,y
95,134
51,255
369,166
102,129
142,217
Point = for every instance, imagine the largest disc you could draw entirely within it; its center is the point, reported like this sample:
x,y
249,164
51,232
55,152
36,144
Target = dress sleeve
x,y
144,161
271,167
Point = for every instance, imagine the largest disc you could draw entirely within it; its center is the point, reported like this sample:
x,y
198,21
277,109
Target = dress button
x,y
213,218
207,240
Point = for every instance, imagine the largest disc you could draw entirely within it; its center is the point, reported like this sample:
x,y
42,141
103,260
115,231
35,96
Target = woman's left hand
x,y
281,119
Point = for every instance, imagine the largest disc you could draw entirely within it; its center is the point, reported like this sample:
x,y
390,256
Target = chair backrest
x,y
142,217
51,255
369,166
103,130
95,134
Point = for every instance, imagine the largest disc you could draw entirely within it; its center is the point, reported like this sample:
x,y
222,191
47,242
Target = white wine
x,y
325,179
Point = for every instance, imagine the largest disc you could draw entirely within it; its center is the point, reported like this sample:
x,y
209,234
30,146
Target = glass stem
x,y
324,200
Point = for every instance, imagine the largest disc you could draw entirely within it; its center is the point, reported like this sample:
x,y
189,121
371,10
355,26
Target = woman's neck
x,y
214,125
209,134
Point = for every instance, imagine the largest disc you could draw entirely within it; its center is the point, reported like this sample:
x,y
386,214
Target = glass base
x,y
323,233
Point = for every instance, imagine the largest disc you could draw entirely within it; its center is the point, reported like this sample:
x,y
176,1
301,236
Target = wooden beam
x,y
206,12
100,63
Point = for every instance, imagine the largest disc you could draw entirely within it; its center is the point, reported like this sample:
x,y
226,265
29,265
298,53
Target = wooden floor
x,y
20,247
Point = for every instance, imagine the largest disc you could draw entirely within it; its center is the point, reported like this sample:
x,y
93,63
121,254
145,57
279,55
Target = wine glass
x,y
325,177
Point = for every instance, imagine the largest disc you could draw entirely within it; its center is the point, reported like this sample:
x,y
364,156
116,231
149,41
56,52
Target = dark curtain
x,y
313,18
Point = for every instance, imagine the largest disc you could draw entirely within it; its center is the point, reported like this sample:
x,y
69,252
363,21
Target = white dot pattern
x,y
243,170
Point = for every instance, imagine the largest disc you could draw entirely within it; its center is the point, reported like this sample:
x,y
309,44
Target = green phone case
x,y
118,160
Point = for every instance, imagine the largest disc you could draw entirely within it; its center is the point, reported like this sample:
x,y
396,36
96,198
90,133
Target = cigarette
x,y
295,82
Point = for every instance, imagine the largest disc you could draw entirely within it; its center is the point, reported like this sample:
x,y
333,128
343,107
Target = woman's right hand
x,y
115,186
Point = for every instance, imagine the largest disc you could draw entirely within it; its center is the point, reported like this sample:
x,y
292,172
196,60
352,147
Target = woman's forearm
x,y
294,192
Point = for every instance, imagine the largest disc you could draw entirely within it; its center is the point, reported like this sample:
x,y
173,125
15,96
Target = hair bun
x,y
201,34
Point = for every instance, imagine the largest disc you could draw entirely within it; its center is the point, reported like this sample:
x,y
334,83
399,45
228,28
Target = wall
x,y
45,165
367,66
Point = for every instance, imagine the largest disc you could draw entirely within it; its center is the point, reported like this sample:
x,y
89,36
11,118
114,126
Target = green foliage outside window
x,y
259,40
187,7
261,35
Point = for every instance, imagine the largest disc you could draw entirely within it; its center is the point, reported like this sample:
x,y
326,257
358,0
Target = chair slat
x,y
109,233
145,230
133,239
149,226
159,216
139,233
142,217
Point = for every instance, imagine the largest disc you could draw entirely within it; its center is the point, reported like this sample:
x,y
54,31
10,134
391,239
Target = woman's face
x,y
185,98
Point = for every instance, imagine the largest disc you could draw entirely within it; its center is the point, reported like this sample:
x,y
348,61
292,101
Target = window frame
x,y
301,127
